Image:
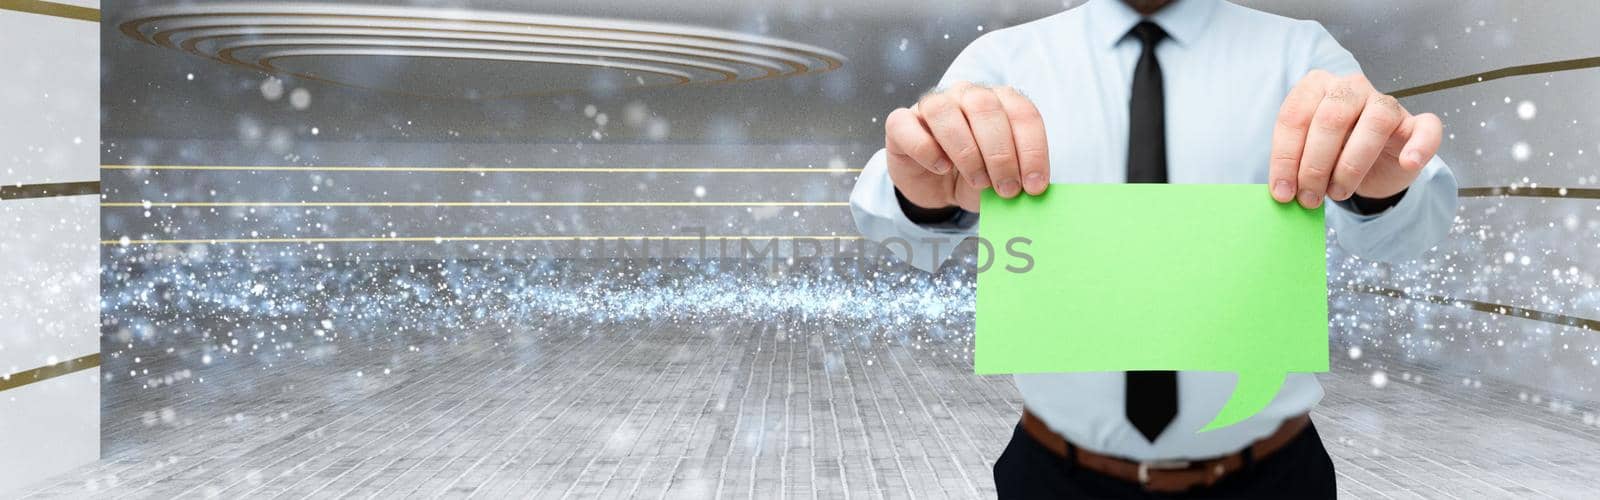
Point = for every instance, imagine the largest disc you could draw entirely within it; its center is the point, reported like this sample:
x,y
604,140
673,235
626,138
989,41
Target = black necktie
x,y
1152,396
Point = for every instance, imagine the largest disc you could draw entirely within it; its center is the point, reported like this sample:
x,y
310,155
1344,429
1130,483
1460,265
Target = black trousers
x,y
1302,469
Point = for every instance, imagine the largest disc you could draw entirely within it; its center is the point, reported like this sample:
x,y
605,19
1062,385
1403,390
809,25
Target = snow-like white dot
x,y
300,98
1526,110
1380,379
1520,151
272,88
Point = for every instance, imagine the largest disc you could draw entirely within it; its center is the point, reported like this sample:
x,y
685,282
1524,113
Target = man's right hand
x,y
956,142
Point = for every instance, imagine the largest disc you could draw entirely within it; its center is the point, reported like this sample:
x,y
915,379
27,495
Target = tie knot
x,y
1149,33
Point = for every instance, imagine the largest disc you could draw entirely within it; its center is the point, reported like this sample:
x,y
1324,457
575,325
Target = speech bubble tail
x,y
1254,392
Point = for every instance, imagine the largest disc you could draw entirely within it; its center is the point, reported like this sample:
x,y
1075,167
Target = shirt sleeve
x,y
875,207
1425,212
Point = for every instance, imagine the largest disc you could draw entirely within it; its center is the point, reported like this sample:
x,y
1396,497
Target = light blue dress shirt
x,y
1226,70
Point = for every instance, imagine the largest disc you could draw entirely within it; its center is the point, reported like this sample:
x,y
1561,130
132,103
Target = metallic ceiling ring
x,y
267,59
193,31
260,51
219,42
800,65
260,36
451,15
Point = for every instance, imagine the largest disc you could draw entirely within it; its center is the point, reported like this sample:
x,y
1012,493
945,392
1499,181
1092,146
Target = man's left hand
x,y
1338,136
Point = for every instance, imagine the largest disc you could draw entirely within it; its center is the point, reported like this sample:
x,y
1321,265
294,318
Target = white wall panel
x,y
49,246
49,99
49,281
48,427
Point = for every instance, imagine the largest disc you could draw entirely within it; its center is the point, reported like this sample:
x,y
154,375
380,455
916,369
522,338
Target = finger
x,y
992,130
1379,119
906,137
967,197
1425,133
942,113
1330,125
1289,135
1027,131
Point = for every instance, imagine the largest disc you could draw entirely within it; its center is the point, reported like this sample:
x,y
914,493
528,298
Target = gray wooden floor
x,y
733,409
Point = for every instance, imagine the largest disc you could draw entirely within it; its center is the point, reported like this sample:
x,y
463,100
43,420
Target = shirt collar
x,y
1183,20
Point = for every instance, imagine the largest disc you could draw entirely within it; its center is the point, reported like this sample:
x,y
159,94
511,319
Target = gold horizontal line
x,y
52,9
23,191
1488,307
1470,192
544,170
275,204
1496,74
458,239
48,372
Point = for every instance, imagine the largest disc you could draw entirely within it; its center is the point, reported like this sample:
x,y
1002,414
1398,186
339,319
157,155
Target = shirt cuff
x,y
1361,205
1419,221
934,218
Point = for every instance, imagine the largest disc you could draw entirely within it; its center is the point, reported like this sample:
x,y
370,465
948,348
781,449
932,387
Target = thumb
x,y
1419,137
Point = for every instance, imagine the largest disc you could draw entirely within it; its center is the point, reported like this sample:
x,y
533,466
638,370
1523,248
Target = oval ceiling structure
x,y
473,54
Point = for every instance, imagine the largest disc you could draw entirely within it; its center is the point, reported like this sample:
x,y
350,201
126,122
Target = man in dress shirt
x,y
1185,91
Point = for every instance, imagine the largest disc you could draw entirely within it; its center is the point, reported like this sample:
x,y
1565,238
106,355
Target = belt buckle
x,y
1145,467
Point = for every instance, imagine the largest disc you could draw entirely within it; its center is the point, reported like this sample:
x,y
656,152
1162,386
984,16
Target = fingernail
x,y
1414,157
1337,193
1008,188
979,180
1282,192
1309,199
1034,182
941,166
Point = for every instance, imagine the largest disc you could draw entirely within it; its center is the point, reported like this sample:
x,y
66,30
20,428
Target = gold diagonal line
x,y
457,239
1488,307
52,9
1531,192
543,170
1523,70
405,204
48,372
22,191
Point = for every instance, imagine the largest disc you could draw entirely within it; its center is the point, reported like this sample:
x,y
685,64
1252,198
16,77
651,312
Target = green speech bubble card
x,y
1157,277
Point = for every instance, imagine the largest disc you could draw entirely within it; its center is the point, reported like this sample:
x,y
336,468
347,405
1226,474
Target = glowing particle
x,y
1520,151
272,88
300,98
1526,110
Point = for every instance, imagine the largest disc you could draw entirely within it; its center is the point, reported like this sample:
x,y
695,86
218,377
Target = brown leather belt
x,y
1165,476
